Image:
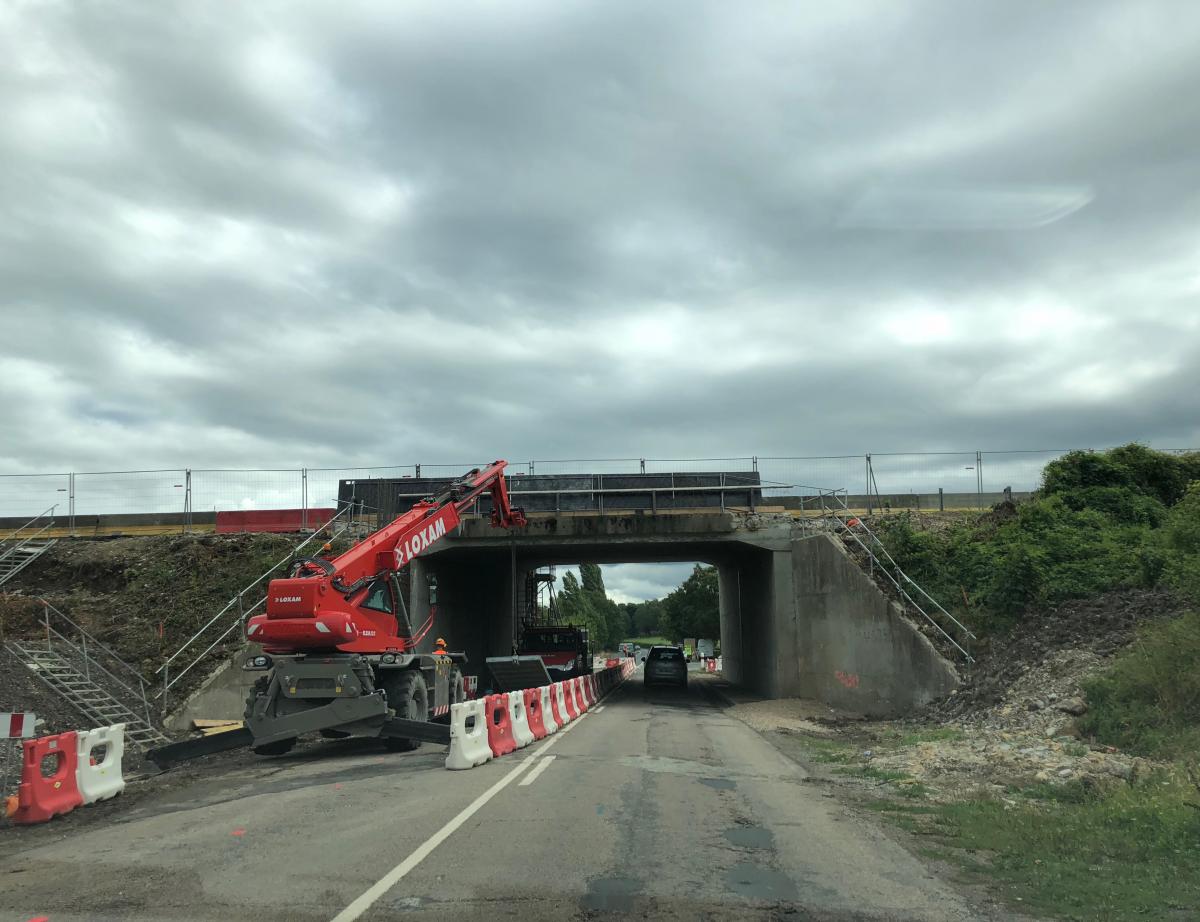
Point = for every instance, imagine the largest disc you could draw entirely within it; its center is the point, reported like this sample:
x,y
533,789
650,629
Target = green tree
x,y
693,610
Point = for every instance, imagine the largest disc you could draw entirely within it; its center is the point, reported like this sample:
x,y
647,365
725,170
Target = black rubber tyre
x,y
409,698
277,748
458,688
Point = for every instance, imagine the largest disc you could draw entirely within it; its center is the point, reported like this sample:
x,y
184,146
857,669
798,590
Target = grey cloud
x,y
373,234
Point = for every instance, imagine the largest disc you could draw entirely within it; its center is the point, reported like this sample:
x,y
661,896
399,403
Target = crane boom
x,y
352,602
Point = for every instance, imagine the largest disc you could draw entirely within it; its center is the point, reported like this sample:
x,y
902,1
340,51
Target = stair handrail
x,y
893,572
346,517
19,544
90,660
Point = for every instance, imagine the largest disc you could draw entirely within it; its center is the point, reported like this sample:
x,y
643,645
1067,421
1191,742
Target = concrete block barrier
x,y
468,736
100,780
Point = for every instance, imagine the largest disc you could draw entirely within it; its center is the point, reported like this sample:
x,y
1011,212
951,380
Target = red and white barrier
x,y
468,736
19,726
522,735
517,718
551,716
100,780
499,725
40,798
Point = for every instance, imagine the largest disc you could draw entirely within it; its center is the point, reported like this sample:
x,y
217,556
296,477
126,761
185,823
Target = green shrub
x,y
1148,701
1181,545
1156,474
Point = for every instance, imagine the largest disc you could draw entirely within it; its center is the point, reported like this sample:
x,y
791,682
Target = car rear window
x,y
666,654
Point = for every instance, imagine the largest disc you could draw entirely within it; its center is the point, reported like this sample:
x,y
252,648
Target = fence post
x,y
304,498
868,489
531,468
941,500
643,464
71,504
187,499
754,464
417,471
979,479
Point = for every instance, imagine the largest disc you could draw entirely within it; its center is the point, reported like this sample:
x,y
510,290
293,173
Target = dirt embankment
x,y
142,597
1011,724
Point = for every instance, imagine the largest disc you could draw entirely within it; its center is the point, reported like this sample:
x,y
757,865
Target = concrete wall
x,y
222,696
854,649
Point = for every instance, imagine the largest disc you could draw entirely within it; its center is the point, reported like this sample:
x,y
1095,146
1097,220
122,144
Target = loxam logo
x,y
419,541
283,599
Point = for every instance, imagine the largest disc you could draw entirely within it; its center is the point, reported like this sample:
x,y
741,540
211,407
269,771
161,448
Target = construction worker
x,y
439,647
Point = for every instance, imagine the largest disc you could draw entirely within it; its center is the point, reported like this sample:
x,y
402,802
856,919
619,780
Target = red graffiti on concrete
x,y
849,679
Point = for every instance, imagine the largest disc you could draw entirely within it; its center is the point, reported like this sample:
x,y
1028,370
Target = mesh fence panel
x,y
130,492
1021,470
323,482
791,476
226,490
898,474
27,495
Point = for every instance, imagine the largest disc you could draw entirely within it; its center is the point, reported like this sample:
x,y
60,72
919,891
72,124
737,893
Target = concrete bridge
x,y
798,615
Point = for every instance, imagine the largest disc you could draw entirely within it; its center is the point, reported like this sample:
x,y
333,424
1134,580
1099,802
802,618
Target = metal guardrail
x,y
14,544
835,509
346,515
92,654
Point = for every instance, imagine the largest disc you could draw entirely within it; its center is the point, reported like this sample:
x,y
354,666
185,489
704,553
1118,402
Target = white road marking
x,y
532,776
597,710
396,874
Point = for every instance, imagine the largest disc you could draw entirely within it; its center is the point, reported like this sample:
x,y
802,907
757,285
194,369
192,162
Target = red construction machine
x,y
339,651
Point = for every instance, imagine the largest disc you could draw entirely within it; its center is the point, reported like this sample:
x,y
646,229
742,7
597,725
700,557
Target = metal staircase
x,y
25,545
89,676
865,548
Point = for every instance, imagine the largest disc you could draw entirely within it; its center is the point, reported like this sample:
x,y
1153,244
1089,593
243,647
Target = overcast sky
x,y
284,234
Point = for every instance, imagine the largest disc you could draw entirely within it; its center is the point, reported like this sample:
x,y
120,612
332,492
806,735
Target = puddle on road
x,y
610,894
719,784
755,882
750,837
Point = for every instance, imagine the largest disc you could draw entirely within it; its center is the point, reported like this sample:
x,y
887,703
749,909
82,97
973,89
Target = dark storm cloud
x,y
364,233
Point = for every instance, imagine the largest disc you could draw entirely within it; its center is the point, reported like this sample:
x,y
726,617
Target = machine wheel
x,y
277,748
408,697
458,688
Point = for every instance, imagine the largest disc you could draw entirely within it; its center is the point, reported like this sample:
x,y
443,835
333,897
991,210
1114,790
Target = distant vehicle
x,y
706,649
627,649
666,665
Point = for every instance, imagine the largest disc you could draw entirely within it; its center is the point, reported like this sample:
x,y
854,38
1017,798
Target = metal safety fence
x,y
951,479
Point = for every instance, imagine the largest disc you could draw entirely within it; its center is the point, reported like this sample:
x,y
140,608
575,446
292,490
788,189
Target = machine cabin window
x,y
379,597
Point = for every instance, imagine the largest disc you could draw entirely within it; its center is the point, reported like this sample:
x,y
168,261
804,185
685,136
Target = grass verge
x,y
1075,853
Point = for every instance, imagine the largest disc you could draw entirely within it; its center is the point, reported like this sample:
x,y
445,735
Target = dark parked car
x,y
666,664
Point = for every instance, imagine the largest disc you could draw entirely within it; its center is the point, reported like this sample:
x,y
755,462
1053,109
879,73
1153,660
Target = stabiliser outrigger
x,y
339,651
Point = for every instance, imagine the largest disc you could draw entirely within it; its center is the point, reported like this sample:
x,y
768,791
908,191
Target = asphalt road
x,y
655,805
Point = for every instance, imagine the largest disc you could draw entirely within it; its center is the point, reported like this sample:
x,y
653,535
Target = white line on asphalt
x,y
597,710
532,776
396,874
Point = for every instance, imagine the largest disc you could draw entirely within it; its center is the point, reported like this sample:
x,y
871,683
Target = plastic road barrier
x,y
103,779
468,735
19,725
569,697
581,701
563,715
39,798
499,725
521,732
533,712
551,716
589,689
